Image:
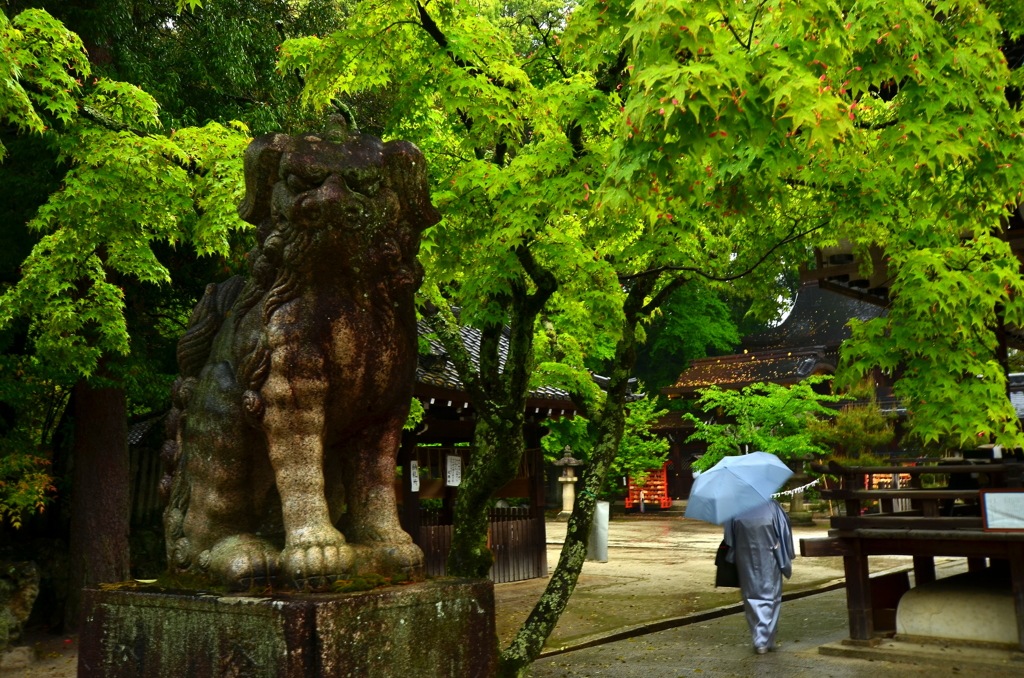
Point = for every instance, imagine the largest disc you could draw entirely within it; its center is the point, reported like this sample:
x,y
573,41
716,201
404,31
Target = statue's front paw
x,y
243,562
316,560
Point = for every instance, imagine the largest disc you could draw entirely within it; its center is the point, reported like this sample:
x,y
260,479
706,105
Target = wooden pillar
x,y
1017,577
410,500
858,595
924,570
538,498
915,483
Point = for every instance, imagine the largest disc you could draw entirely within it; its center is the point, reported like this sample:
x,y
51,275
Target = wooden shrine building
x,y
517,535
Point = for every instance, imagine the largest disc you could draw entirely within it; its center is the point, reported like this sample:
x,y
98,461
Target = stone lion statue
x,y
295,382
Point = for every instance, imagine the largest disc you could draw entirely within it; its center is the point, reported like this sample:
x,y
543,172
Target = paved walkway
x,y
722,648
657,569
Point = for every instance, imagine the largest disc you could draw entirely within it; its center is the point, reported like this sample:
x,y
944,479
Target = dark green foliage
x,y
694,322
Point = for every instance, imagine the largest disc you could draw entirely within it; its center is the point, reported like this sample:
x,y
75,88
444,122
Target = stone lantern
x,y
568,480
798,515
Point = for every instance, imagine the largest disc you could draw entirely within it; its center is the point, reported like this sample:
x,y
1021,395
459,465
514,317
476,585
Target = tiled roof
x,y
783,367
437,370
818,318
138,431
670,421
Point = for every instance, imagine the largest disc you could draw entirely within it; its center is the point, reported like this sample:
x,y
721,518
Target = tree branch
x,y
551,52
106,122
739,40
693,269
542,278
664,294
609,77
753,22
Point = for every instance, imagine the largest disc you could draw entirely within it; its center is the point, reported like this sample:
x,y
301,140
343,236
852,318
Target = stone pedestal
x,y
443,627
974,607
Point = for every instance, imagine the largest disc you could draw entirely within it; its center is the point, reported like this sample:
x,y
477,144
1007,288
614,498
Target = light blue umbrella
x,y
735,485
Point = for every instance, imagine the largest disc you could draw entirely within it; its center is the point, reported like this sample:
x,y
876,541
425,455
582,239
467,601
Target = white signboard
x,y
414,476
1003,510
453,466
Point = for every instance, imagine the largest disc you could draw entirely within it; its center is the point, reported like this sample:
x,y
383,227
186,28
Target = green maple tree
x,y
591,163
130,188
763,417
674,141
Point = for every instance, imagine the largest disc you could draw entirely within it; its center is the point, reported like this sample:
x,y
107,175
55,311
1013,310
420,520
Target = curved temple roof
x,y
806,343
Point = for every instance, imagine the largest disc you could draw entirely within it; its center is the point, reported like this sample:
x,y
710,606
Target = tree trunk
x,y
495,462
611,421
100,502
498,392
529,641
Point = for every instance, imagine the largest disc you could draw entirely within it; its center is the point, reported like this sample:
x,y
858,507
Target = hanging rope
x,y
790,493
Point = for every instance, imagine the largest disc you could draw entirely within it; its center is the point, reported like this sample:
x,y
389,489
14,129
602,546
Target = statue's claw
x,y
317,560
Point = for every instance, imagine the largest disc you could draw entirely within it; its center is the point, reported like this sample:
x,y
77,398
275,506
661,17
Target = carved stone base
x,y
443,627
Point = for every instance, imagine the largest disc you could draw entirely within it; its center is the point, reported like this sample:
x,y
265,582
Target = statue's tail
x,y
194,349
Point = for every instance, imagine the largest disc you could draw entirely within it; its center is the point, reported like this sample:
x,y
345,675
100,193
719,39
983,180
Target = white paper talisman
x,y
453,465
414,476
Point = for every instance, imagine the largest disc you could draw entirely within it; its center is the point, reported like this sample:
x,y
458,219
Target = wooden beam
x,y
976,564
824,547
869,495
897,522
961,548
924,570
837,469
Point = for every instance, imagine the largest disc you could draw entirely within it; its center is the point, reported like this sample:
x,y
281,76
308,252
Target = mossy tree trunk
x,y
498,393
610,420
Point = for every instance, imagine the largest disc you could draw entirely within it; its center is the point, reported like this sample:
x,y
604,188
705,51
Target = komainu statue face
x,y
296,381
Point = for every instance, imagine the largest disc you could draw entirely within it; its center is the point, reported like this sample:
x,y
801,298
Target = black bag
x,y
727,574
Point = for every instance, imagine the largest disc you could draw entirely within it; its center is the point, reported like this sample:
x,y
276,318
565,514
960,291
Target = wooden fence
x,y
146,470
511,536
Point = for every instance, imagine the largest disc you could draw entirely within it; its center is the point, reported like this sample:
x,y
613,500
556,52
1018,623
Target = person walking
x,y
760,543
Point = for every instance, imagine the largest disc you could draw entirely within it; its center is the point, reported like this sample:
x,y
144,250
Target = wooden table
x,y
921,533
856,545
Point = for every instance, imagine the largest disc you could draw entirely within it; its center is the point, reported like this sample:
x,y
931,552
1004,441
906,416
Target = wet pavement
x,y
722,648
658,569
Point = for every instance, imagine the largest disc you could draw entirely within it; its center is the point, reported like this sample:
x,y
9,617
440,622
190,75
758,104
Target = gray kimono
x,y
761,544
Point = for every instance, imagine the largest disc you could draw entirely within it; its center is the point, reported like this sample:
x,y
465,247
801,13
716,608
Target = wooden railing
x,y
929,508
